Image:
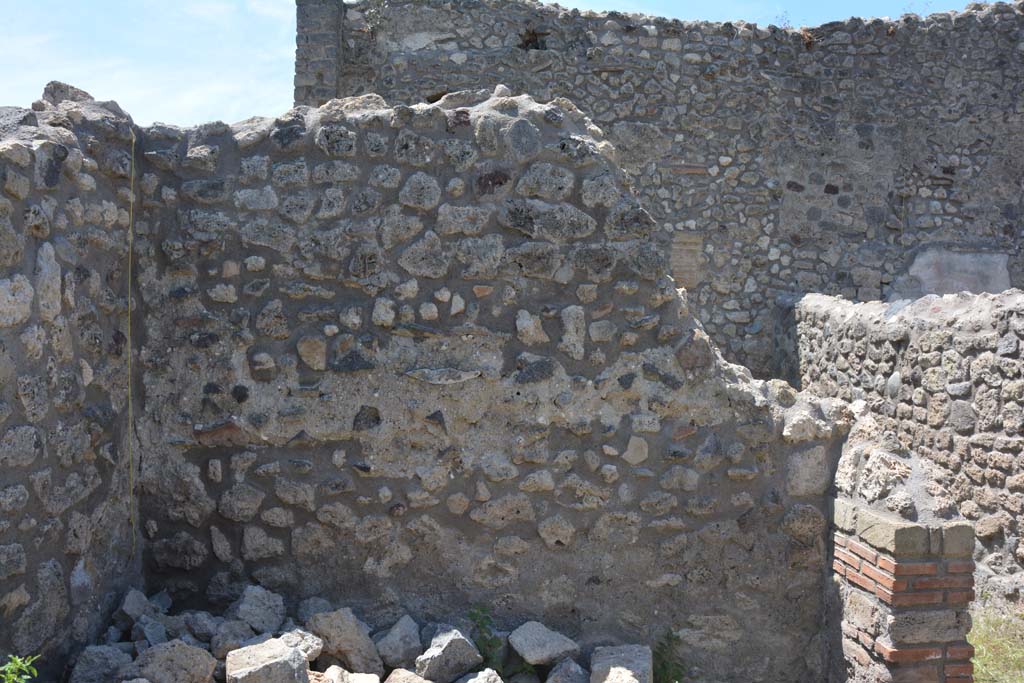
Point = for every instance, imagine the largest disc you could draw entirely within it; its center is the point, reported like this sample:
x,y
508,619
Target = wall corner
x,y
904,589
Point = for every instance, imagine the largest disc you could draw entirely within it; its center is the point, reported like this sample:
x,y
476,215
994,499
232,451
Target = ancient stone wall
x,y
864,158
418,358
943,376
65,536
318,25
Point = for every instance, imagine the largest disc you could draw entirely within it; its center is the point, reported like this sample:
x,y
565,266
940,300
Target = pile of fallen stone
x,y
256,641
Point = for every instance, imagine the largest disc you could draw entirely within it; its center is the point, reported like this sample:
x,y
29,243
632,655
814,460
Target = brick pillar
x,y
317,50
904,590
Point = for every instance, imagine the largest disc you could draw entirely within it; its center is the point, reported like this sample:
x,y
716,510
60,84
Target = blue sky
x,y
190,61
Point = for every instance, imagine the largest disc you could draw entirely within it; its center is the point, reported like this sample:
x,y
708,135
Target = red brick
x,y
960,567
911,599
959,651
864,582
838,567
884,594
839,540
960,669
907,655
866,640
884,579
931,583
848,558
862,550
959,597
886,563
916,569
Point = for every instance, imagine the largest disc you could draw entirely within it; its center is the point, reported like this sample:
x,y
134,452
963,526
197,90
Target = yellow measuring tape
x,y
131,412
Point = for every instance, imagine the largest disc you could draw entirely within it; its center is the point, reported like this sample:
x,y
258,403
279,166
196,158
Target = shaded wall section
x,y
65,534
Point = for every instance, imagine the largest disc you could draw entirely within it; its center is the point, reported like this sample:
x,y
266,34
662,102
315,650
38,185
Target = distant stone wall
x,y
65,537
419,358
943,376
317,50
864,158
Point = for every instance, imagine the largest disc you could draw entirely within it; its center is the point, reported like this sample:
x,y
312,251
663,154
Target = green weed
x,y
490,645
18,669
998,640
667,667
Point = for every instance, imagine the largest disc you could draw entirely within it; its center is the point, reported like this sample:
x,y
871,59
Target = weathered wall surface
x,y
418,358
943,376
65,537
867,159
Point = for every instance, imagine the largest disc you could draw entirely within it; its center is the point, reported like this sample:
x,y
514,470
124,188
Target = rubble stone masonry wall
x,y
864,158
943,376
65,537
419,358
415,357
410,358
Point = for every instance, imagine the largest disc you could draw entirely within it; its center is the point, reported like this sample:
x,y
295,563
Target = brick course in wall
x,y
906,583
906,590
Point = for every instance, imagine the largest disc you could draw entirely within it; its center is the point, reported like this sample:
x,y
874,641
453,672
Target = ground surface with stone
x,y
259,640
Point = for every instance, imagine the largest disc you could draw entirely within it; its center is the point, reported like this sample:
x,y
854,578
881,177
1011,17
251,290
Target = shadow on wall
x,y
786,358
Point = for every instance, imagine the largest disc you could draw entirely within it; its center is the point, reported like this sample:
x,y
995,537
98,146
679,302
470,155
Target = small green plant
x,y
18,669
518,667
667,667
490,645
